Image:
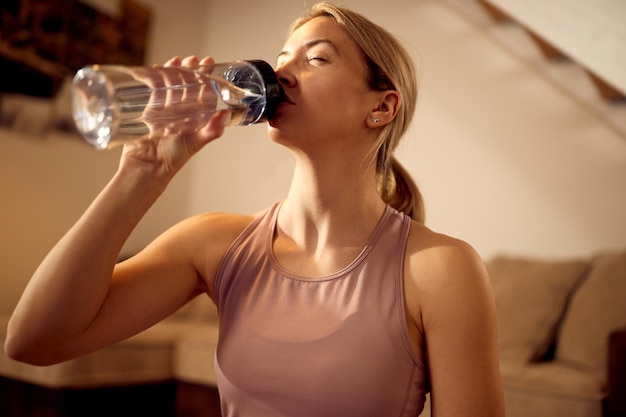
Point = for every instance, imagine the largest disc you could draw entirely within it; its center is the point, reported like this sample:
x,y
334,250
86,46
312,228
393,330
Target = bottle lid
x,y
274,94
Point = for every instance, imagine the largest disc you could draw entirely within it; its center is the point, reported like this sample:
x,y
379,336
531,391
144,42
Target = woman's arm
x,y
458,321
78,299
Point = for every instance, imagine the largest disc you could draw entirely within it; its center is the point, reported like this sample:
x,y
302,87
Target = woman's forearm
x,y
70,285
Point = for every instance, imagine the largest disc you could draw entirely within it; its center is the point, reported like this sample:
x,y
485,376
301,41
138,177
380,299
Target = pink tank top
x,y
316,347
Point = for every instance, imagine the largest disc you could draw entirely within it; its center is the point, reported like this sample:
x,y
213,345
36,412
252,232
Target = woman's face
x,y
324,77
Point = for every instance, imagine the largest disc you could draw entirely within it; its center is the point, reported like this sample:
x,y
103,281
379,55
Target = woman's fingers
x,y
207,61
183,98
173,62
214,128
191,61
191,93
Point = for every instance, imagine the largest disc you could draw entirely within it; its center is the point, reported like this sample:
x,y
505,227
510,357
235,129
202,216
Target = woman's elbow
x,y
19,347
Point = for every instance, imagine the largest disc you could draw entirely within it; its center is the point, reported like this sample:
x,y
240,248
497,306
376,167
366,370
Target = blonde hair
x,y
390,68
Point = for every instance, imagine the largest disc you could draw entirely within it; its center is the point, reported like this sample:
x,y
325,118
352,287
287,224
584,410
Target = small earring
x,y
375,120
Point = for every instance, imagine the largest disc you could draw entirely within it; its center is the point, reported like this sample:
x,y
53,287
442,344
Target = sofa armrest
x,y
617,373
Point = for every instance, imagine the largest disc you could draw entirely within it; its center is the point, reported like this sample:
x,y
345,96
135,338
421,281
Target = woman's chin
x,y
279,133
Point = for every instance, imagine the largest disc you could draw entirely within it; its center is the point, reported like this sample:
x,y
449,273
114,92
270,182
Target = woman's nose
x,y
285,77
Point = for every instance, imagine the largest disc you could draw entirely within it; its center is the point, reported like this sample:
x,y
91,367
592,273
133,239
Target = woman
x,y
335,301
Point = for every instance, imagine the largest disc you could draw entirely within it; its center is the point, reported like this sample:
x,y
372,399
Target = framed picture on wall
x,y
44,42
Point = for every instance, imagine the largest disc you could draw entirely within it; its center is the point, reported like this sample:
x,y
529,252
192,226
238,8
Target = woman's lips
x,y
287,99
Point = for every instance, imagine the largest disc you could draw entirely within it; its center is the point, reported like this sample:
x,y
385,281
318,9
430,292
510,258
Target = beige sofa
x,y
554,319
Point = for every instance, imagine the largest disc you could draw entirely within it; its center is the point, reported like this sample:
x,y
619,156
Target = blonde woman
x,y
337,300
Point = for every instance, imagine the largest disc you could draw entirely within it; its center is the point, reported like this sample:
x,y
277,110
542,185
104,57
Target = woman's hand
x,y
181,120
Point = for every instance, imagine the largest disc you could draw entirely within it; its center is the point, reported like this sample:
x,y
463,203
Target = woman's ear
x,y
386,110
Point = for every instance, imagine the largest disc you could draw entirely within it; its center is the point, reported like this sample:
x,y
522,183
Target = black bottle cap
x,y
274,94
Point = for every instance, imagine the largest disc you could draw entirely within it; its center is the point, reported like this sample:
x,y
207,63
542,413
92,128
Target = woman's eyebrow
x,y
312,43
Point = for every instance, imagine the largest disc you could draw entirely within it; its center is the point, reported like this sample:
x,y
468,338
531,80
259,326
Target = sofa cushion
x,y
554,378
530,296
551,389
597,308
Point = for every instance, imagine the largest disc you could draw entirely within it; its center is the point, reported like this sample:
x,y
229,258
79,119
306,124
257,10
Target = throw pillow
x,y
530,296
597,308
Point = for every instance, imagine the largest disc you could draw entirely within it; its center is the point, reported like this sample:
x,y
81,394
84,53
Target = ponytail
x,y
398,189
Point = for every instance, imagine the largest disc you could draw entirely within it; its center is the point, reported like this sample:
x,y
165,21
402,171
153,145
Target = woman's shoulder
x,y
218,225
224,225
433,247
206,237
442,265
209,231
222,219
446,283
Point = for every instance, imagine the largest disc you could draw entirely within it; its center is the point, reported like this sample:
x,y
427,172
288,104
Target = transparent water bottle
x,y
114,104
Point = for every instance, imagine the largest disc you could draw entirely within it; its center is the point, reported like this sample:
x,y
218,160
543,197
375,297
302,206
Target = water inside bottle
x,y
115,108
247,105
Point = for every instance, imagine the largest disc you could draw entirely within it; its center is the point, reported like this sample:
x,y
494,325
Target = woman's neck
x,y
331,204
